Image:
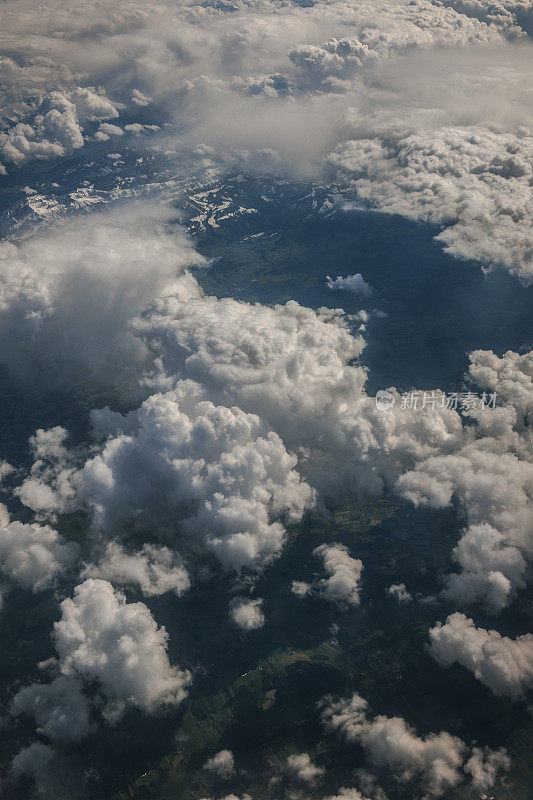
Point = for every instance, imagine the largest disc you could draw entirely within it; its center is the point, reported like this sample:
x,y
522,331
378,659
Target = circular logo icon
x,y
384,399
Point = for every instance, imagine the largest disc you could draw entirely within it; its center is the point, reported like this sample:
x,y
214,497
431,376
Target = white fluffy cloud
x,y
60,709
343,571
297,369
492,476
33,556
399,592
438,761
213,474
352,283
117,645
101,637
301,766
56,128
155,570
73,290
247,614
504,665
221,764
300,588
473,182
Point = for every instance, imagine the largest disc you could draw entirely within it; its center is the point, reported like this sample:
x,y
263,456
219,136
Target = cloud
x,y
106,130
216,474
504,665
32,760
140,99
484,767
301,766
438,761
352,283
247,614
53,132
344,572
34,556
471,181
240,383
221,764
490,474
300,588
348,794
155,570
103,638
232,797
509,376
60,709
100,639
56,128
493,486
399,593
72,291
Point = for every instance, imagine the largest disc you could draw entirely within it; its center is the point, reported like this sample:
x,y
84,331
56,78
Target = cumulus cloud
x,y
103,638
247,614
352,283
485,765
33,556
100,639
399,593
154,569
491,474
106,130
300,588
221,764
53,132
215,474
298,370
32,760
344,572
56,128
438,761
301,766
72,291
504,665
60,709
471,181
